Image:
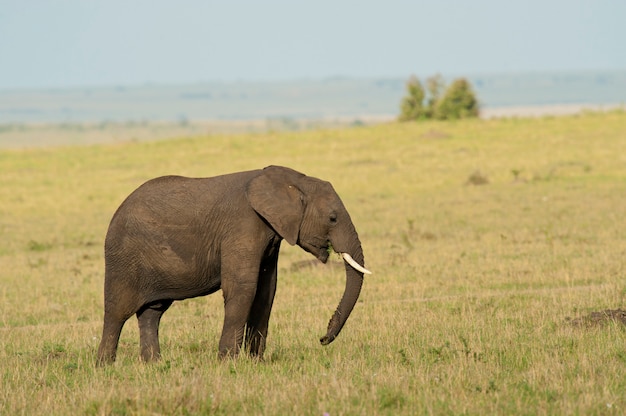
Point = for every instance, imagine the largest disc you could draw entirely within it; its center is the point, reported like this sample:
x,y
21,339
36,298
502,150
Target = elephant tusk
x,y
348,258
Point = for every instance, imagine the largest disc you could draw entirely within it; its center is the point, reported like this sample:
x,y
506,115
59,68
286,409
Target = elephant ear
x,y
276,198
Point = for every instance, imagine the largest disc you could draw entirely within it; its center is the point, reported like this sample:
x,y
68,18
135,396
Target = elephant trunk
x,y
354,281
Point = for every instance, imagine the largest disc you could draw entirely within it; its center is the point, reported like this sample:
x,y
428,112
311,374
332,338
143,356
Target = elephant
x,y
176,237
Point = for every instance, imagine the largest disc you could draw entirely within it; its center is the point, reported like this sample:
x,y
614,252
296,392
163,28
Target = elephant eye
x,y
333,217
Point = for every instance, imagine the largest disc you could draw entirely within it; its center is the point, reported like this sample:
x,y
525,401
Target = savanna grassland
x,y
485,238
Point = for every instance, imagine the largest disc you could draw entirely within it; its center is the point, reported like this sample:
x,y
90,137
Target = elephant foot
x,y
227,355
104,361
150,356
106,354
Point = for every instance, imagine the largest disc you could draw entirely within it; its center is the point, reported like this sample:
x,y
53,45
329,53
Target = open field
x,y
484,237
30,135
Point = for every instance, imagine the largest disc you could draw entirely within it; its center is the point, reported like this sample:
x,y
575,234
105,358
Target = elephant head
x,y
308,212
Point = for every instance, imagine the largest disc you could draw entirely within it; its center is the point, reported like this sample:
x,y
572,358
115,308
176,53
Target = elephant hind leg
x,y
149,317
110,338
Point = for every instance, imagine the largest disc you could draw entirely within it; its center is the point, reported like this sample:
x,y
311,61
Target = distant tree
x,y
435,85
442,103
459,101
412,106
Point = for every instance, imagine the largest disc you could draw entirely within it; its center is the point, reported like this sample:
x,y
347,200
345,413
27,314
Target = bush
x,y
435,86
457,101
412,107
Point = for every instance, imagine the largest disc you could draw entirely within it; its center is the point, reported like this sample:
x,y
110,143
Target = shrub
x,y
412,107
459,101
435,86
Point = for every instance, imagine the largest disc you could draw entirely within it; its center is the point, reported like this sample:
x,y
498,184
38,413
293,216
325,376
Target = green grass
x,y
465,312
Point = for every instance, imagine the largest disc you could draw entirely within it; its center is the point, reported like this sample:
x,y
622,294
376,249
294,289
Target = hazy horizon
x,y
323,79
331,98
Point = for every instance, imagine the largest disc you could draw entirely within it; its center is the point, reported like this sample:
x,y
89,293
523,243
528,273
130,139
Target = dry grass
x,y
465,313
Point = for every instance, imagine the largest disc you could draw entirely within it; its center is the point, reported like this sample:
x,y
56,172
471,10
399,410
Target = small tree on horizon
x,y
435,86
412,106
459,101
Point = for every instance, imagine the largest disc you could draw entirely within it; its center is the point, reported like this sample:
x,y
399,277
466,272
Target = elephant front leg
x,y
238,298
258,321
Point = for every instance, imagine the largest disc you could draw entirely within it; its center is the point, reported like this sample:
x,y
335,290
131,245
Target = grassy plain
x,y
466,312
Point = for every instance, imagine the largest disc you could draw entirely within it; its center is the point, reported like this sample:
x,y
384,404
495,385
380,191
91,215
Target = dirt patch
x,y
477,178
435,134
600,318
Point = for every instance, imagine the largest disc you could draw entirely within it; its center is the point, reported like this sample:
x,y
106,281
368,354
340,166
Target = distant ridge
x,y
333,98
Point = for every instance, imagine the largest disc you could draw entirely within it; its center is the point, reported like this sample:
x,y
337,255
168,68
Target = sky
x,y
72,43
